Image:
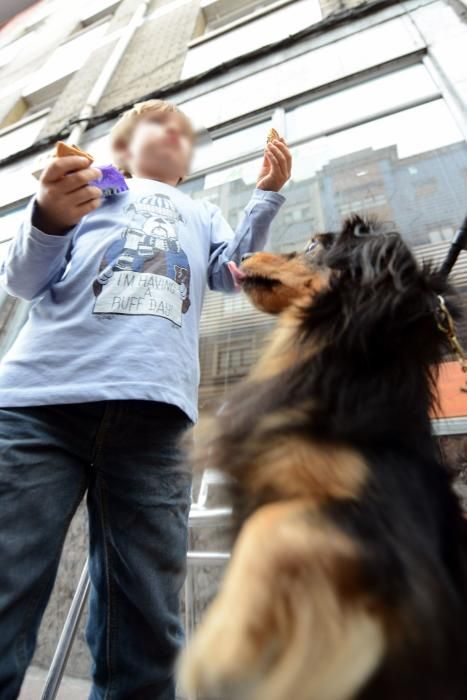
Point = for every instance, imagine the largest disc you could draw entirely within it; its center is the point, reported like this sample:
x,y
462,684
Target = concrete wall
x,y
154,58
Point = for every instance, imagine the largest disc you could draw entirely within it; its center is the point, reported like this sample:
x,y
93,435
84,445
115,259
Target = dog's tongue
x,y
237,275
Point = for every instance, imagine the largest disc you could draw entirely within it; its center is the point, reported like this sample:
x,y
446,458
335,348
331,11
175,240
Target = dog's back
x,y
413,540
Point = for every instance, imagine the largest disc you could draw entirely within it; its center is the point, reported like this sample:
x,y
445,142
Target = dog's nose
x,y
245,256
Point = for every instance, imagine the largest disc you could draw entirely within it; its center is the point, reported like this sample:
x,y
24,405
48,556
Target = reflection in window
x,y
234,357
407,169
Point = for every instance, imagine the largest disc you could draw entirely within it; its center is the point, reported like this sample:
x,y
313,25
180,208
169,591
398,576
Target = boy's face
x,y
160,148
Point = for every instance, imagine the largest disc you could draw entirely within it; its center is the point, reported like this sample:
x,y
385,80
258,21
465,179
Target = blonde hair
x,y
122,131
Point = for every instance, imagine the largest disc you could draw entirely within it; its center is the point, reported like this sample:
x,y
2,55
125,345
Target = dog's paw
x,y
219,662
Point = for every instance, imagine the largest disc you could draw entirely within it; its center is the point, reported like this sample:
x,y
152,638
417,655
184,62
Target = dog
x,y
348,575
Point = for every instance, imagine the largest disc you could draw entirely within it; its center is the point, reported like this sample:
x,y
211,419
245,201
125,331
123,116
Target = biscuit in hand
x,y
65,149
272,135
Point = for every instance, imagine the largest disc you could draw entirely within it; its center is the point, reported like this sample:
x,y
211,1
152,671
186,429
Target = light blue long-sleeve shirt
x,y
118,298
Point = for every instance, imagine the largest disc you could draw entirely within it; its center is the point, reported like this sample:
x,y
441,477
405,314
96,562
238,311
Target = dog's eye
x,y
311,247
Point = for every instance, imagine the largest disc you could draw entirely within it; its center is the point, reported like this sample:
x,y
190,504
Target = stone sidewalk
x,y
70,689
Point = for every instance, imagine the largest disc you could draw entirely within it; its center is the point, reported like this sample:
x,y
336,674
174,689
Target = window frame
x,y
415,58
24,121
252,16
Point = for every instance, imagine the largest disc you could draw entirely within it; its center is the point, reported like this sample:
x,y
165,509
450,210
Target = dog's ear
x,y
387,297
371,258
341,249
384,261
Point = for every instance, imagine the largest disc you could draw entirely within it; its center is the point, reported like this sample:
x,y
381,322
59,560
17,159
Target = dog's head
x,y
273,281
362,284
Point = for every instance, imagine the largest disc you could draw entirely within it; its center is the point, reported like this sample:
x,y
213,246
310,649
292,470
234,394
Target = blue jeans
x,y
125,456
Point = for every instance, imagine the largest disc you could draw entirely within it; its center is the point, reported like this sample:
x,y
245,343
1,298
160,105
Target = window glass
x,y
407,169
234,145
218,13
251,35
16,181
354,103
308,71
17,139
327,113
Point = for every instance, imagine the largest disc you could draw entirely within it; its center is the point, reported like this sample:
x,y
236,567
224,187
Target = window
x,y
381,167
426,188
365,168
234,357
96,10
99,148
9,52
13,311
9,222
258,31
347,56
359,102
16,185
19,136
65,60
218,13
234,145
20,36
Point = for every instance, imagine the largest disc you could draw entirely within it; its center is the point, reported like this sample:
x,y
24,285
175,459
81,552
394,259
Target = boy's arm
x,y
37,255
253,231
251,235
34,259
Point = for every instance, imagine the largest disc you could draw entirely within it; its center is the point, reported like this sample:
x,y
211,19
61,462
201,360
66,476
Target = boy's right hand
x,y
65,195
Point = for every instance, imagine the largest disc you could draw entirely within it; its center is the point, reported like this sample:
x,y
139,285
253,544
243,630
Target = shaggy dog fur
x,y
348,575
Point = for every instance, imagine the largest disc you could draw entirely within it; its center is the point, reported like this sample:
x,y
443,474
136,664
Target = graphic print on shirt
x,y
146,272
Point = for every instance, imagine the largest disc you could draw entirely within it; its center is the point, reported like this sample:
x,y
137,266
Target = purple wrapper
x,y
112,181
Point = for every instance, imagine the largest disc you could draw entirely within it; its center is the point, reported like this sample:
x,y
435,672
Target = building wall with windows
x,y
372,99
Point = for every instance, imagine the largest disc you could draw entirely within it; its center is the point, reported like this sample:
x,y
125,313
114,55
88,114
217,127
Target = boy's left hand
x,y
277,166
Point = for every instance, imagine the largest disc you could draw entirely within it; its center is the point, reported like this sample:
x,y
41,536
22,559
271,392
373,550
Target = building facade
x,y
371,97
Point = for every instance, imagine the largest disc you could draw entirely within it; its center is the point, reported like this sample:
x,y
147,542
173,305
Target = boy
x,y
98,387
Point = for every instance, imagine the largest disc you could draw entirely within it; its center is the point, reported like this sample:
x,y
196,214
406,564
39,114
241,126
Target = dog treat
x,y
65,149
272,134
112,181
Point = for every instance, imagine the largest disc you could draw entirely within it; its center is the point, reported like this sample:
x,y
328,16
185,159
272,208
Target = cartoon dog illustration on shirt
x,y
149,244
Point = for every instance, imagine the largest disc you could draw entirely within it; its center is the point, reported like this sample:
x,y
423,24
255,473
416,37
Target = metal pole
x,y
107,72
211,517
62,652
207,558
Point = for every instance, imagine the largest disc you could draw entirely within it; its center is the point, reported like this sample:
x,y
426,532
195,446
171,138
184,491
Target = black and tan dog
x,y
348,576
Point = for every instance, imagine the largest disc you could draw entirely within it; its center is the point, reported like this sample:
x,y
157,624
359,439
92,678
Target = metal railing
x,y
200,517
